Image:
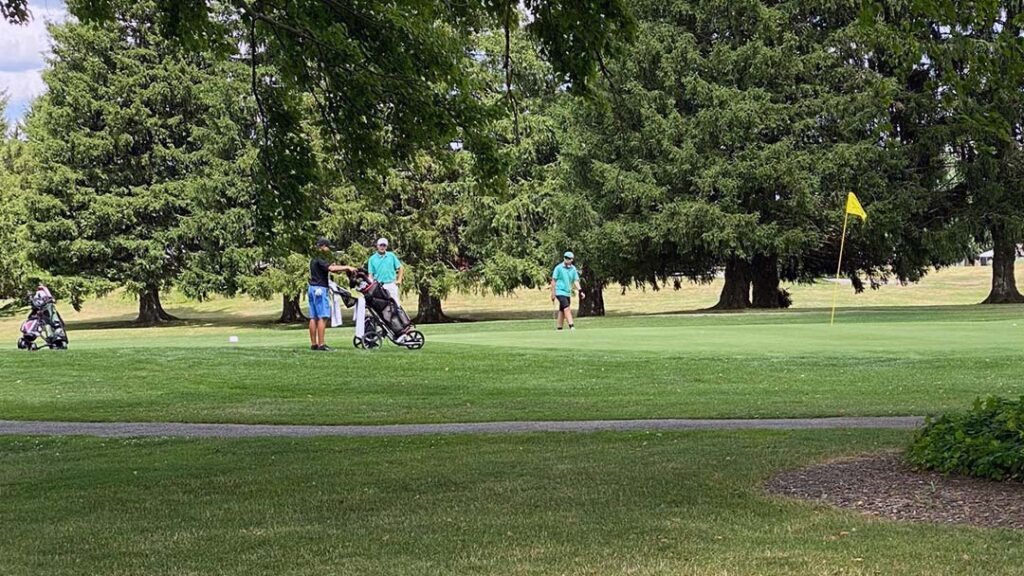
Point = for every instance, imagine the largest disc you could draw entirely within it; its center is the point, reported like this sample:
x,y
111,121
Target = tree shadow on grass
x,y
511,315
952,312
875,314
188,318
13,308
224,318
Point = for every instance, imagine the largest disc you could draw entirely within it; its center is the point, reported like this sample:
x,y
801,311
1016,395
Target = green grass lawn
x,y
873,362
609,503
671,503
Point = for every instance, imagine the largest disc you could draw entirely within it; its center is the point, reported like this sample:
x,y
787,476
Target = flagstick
x,y
839,267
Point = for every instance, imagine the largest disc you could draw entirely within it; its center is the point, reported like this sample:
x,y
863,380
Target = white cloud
x,y
24,47
23,85
22,53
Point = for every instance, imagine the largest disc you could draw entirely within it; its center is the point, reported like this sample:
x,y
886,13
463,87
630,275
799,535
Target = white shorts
x,y
392,289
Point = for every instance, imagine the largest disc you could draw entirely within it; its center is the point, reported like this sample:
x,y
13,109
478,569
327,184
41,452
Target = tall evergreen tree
x,y
958,120
142,158
553,200
421,207
14,269
735,132
509,235
436,205
604,214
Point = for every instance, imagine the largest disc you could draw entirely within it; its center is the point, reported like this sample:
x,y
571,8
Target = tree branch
x,y
508,73
265,159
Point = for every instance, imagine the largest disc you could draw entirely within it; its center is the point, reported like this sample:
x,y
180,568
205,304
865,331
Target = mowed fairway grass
x,y
560,503
672,503
894,361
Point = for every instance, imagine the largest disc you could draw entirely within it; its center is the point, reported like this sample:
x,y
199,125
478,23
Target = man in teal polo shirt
x,y
564,278
385,268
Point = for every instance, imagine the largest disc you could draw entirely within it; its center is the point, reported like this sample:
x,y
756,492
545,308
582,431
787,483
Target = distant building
x,y
985,258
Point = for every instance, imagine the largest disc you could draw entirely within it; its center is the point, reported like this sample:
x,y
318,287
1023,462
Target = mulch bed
x,y
884,485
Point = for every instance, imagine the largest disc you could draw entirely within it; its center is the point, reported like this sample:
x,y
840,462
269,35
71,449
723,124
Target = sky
x,y
22,50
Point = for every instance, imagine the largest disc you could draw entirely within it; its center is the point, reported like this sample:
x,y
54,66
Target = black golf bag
x,y
43,322
384,316
384,306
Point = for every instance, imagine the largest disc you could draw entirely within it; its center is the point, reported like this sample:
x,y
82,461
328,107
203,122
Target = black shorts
x,y
563,302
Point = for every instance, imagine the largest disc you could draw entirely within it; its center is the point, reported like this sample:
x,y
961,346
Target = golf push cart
x,y
384,318
43,321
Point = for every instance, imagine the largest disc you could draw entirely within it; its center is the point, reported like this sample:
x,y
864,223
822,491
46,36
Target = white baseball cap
x,y
383,241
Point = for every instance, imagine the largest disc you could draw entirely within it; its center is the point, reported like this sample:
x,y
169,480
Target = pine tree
x,y
421,208
958,120
142,161
508,235
733,133
14,269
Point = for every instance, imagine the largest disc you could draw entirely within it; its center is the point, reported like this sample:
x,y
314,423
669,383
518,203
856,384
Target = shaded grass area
x,y
784,365
671,503
958,286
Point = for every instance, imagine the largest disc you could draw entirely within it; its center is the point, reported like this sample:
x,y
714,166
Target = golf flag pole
x,y
852,207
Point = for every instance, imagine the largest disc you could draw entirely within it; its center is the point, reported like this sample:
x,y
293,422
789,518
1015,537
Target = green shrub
x,y
987,441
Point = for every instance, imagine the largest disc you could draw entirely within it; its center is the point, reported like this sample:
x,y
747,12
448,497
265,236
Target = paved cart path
x,y
128,429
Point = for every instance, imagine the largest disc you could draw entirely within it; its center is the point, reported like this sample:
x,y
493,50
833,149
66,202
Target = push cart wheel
x,y
371,340
414,340
357,342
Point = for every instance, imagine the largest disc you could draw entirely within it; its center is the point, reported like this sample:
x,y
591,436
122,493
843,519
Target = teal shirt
x,y
383,268
564,278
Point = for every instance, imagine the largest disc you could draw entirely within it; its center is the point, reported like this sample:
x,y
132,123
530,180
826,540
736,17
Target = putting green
x,y
860,339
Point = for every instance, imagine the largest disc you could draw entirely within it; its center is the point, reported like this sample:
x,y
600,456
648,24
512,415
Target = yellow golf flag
x,y
853,207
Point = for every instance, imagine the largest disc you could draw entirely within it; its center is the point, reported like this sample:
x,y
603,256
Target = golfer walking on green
x,y
564,278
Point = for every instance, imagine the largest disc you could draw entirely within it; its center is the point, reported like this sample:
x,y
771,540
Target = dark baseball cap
x,y
321,242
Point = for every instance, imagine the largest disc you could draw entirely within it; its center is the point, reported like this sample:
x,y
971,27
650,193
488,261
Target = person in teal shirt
x,y
386,268
564,278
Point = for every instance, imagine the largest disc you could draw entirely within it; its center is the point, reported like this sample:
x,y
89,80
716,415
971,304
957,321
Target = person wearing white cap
x,y
564,278
385,268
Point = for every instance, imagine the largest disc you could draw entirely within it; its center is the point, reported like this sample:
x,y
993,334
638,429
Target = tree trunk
x,y
1004,257
736,291
765,278
593,302
429,309
151,311
291,310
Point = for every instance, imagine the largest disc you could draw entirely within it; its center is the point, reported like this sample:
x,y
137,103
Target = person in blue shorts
x,y
319,294
564,278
